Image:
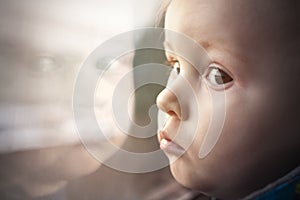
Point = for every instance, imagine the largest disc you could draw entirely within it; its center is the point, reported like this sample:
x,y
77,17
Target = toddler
x,y
253,48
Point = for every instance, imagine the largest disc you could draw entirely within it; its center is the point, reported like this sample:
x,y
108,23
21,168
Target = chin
x,y
190,178
208,183
202,179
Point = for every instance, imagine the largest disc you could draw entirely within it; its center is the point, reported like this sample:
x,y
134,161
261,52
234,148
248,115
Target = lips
x,y
167,144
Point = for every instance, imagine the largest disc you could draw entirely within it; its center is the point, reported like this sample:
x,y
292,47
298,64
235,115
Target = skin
x,y
256,43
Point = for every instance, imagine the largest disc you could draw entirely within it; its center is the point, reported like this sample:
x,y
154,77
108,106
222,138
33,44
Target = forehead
x,y
240,17
212,19
244,26
201,20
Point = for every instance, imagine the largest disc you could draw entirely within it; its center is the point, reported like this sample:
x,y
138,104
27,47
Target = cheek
x,y
188,169
249,119
245,124
210,119
230,123
243,143
200,112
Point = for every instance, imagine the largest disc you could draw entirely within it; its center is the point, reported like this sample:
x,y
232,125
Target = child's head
x,y
254,47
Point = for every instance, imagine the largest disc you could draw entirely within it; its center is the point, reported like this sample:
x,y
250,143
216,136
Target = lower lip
x,y
171,147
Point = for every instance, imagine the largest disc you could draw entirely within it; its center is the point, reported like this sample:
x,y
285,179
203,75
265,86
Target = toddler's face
x,y
251,46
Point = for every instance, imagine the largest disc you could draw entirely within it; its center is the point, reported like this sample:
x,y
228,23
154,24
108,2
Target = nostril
x,y
171,113
175,112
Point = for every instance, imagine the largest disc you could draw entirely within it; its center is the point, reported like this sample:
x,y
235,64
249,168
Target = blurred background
x,y
43,44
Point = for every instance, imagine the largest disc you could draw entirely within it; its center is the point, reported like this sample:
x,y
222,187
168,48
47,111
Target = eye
x,y
175,66
218,77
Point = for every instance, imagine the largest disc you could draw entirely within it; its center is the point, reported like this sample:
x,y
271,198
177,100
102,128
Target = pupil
x,y
222,77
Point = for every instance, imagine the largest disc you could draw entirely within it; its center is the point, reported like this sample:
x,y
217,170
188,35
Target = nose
x,y
168,103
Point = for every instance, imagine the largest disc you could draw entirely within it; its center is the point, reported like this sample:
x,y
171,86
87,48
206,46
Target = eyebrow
x,y
209,45
168,46
204,44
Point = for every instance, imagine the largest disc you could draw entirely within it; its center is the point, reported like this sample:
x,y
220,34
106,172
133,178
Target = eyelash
x,y
217,77
214,75
175,65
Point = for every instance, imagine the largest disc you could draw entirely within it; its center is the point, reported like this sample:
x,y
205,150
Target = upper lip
x,y
162,135
170,127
